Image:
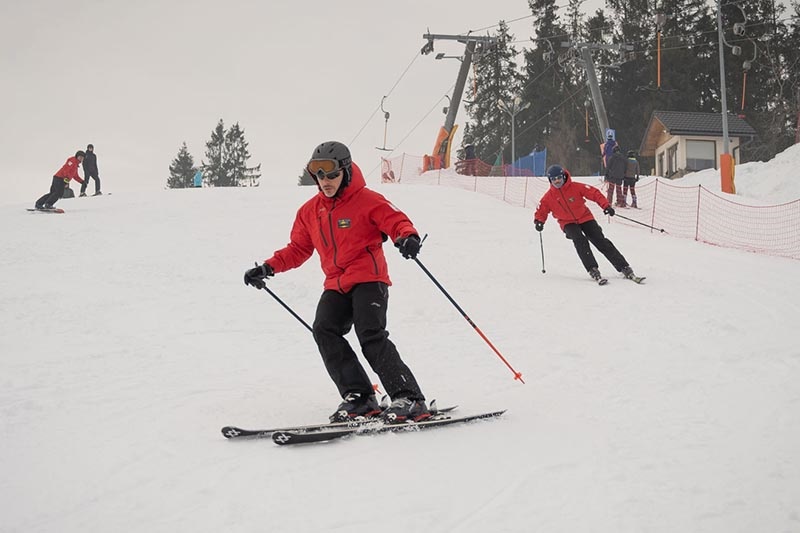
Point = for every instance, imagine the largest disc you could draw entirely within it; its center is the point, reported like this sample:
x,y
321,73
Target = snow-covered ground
x,y
128,339
758,183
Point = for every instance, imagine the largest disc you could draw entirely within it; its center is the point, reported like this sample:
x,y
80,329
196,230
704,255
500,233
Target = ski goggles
x,y
324,168
557,181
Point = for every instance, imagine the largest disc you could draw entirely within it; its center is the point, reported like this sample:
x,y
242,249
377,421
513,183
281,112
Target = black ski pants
x,y
96,179
582,234
56,192
363,308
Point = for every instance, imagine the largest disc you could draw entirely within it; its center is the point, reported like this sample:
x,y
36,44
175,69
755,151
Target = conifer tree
x,y
552,85
632,78
763,80
305,178
227,154
214,168
496,78
236,155
182,170
689,58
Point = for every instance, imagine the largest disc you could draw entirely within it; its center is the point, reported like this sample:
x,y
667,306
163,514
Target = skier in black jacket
x,y
90,171
615,172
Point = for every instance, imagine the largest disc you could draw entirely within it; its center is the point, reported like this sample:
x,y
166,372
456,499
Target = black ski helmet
x,y
631,153
90,147
80,153
556,171
338,152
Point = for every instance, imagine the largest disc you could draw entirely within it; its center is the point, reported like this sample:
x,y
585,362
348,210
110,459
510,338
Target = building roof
x,y
674,123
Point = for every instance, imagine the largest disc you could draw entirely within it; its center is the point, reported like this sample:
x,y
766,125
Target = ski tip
x,y
230,432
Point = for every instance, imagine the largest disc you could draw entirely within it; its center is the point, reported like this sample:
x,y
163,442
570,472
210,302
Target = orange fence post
x,y
726,173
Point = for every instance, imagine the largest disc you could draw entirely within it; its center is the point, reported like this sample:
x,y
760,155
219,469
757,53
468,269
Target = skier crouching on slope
x,y
566,200
69,171
346,223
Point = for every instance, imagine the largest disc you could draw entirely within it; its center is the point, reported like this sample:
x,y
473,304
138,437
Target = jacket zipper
x,y
566,206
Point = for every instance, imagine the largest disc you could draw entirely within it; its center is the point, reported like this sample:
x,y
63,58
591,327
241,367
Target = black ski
x,y
602,281
57,210
284,438
234,432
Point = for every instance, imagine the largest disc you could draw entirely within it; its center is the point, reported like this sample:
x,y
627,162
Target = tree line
x,y
669,62
225,164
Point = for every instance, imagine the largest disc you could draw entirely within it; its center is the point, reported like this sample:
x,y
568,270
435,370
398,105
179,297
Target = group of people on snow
x,y
346,224
69,172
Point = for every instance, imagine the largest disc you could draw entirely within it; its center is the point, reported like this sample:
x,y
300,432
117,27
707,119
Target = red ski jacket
x,y
69,171
568,203
347,233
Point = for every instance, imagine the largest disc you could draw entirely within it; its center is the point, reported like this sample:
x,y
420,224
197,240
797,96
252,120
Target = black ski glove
x,y
538,224
409,246
609,211
256,276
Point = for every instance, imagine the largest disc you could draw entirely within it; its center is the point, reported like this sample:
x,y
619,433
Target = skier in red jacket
x,y
346,223
69,171
567,201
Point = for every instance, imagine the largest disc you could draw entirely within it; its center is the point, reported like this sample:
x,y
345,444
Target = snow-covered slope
x,y
128,339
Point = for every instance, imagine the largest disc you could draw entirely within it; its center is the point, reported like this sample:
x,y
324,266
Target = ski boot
x,y
356,406
628,272
404,410
594,272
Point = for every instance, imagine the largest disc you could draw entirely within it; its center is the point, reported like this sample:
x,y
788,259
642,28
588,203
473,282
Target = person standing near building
x,y
630,179
69,171
566,200
614,175
90,171
607,148
346,224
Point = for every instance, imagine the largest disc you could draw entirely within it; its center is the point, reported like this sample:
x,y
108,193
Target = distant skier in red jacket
x,y
567,201
346,223
69,171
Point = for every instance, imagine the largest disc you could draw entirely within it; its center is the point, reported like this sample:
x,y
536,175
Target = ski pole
x,y
641,223
541,245
287,308
517,375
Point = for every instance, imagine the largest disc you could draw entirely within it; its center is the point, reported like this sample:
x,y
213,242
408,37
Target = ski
x,y
284,438
234,432
636,279
602,281
53,210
